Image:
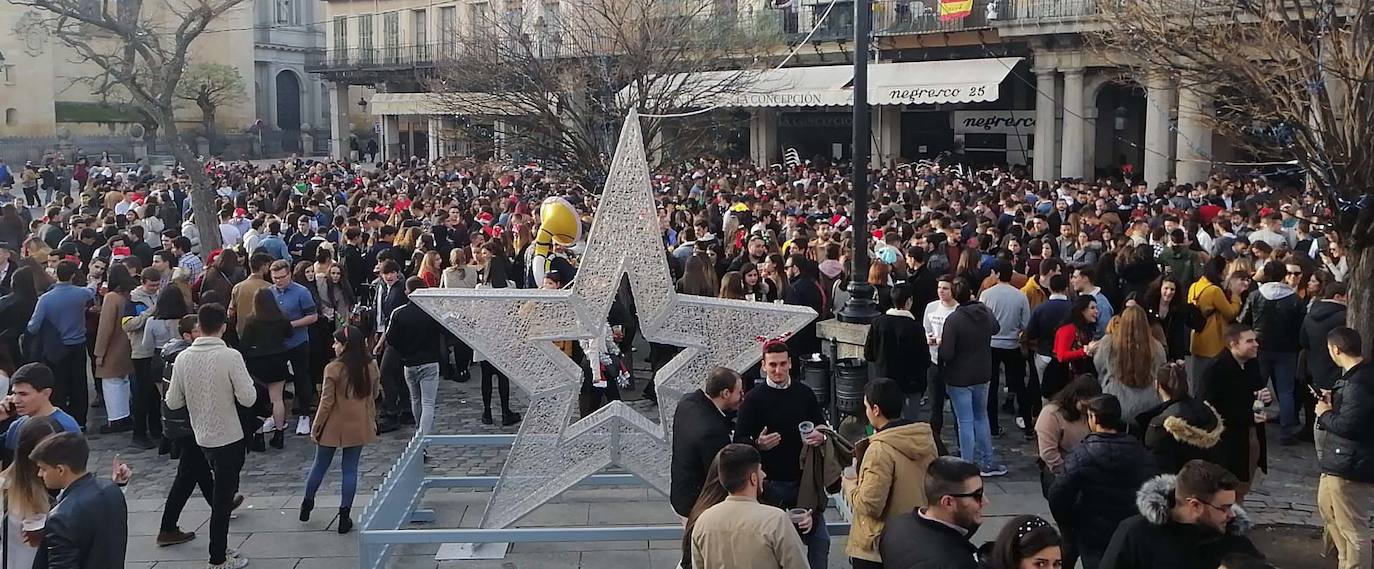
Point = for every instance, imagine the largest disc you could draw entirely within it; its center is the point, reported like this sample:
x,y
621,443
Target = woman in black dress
x,y
263,345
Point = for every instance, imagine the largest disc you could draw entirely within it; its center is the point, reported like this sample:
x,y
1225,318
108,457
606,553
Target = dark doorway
x,y
289,111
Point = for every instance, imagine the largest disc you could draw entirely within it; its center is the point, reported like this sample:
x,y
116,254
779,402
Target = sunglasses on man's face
x,y
976,495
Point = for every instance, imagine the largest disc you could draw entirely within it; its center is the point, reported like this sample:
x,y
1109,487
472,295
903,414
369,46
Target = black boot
x,y
277,439
509,418
165,446
486,417
345,522
307,504
259,443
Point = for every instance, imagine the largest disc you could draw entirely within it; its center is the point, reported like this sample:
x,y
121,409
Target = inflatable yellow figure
x,y
558,224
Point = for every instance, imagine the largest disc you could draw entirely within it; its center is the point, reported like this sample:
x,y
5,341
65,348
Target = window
x,y
11,117
420,32
6,73
341,34
365,37
479,18
391,35
447,22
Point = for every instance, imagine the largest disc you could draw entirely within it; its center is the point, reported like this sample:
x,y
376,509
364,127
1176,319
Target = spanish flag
x,y
951,10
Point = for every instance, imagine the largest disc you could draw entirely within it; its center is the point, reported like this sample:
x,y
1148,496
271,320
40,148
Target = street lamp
x,y
860,308
362,103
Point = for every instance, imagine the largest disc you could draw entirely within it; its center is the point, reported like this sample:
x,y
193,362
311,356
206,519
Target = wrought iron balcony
x,y
890,18
378,58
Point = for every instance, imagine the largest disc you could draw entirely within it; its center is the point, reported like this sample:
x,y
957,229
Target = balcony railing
x,y
890,18
1024,11
378,58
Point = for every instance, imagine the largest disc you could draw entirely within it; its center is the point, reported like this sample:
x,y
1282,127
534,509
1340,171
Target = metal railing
x,y
379,58
890,18
1050,10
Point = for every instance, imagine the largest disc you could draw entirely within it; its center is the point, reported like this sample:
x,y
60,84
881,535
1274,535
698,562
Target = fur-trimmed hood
x,y
1194,422
1156,497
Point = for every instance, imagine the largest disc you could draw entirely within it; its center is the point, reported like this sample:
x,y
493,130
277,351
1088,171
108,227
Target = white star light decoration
x,y
515,330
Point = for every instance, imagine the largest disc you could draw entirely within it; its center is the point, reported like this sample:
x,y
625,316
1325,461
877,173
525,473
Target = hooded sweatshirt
x,y
889,461
1324,317
137,325
966,345
1275,313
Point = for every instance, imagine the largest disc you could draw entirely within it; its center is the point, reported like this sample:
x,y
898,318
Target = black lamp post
x,y
860,308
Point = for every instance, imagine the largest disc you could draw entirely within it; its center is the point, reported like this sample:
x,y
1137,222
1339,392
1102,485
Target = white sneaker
x,y
230,562
1020,423
267,425
303,425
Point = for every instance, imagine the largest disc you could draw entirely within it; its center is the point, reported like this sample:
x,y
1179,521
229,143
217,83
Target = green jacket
x,y
1180,263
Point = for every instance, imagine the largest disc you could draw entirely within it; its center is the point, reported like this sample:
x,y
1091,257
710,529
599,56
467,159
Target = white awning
x,y
932,82
439,104
909,83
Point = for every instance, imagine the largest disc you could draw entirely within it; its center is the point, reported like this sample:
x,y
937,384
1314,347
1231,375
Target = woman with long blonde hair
x,y
25,495
430,267
1128,360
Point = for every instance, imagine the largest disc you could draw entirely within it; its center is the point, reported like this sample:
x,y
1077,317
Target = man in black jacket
x,y
1272,312
893,347
1188,521
805,290
937,536
1101,476
88,525
1346,413
1325,315
701,427
388,295
413,335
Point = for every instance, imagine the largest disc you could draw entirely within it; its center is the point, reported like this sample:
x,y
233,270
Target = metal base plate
x,y
462,551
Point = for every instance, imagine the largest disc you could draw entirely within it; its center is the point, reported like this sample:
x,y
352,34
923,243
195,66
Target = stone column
x,y
391,137
339,126
499,131
269,90
889,128
1045,106
763,137
1194,136
1071,161
1159,101
435,141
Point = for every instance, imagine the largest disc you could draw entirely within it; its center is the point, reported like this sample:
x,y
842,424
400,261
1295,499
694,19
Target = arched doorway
x,y
289,110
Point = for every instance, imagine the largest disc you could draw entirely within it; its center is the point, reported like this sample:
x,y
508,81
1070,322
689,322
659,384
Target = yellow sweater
x,y
1218,309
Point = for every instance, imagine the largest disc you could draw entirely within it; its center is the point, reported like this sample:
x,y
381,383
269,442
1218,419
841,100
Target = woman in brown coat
x,y
113,354
346,419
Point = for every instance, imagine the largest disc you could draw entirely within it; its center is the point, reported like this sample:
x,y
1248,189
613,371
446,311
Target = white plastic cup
x,y
806,428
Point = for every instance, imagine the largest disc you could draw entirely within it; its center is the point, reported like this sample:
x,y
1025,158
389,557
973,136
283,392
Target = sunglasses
x,y
976,495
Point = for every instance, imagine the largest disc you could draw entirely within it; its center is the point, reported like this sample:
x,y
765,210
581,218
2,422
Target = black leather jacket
x,y
88,527
1275,312
1347,451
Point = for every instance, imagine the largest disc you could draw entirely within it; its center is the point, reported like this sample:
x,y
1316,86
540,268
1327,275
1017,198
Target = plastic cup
x,y
798,515
806,428
35,522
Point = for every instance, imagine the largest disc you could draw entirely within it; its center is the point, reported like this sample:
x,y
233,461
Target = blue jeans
x,y
975,434
784,495
324,456
1282,369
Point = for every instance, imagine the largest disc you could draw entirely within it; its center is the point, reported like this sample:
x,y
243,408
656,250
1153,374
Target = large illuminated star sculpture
x,y
515,330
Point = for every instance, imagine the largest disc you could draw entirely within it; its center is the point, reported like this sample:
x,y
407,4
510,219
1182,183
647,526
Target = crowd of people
x,y
1137,335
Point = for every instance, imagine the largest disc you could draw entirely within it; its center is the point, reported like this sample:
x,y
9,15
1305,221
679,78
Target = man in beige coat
x,y
741,533
891,471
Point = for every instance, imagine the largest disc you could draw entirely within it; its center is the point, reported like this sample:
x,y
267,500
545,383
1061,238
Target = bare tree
x,y
1288,78
209,86
561,82
141,52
